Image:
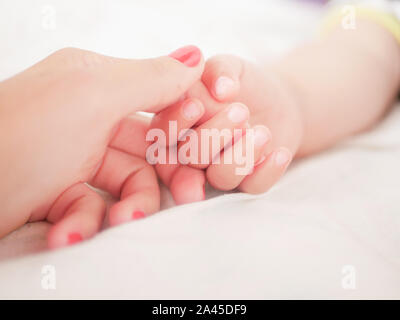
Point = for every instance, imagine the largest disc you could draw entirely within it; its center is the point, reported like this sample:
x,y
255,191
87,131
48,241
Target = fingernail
x,y
191,110
261,135
238,113
190,56
138,215
223,86
282,157
74,237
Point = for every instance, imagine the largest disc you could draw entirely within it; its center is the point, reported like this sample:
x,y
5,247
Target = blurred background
x,y
32,29
336,210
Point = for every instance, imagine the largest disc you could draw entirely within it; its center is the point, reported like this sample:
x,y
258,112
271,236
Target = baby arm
x,y
312,98
343,82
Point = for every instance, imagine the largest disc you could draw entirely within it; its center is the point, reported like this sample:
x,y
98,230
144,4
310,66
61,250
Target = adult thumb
x,y
129,85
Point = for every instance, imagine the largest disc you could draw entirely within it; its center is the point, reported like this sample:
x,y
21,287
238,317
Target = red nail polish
x,y
74,237
138,215
190,56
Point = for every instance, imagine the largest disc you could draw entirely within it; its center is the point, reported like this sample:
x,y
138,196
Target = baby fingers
x,y
222,76
267,173
220,129
182,115
238,161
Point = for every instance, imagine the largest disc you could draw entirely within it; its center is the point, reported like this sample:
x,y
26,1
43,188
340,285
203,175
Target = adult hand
x,y
57,120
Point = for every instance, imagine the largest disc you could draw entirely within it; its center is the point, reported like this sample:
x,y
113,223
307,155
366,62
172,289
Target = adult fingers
x,y
77,215
131,179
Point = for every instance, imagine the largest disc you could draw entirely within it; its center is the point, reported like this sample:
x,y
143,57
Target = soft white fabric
x,y
338,209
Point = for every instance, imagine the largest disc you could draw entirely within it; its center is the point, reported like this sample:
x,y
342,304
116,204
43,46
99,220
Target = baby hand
x,y
272,113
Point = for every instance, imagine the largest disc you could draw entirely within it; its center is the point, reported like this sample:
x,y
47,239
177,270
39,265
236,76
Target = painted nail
x,y
190,56
238,113
138,215
223,86
74,237
191,110
261,135
282,157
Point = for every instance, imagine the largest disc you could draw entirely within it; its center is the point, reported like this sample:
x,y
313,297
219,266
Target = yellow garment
x,y
386,20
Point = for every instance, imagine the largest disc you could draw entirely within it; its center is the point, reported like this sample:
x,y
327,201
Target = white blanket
x,y
329,229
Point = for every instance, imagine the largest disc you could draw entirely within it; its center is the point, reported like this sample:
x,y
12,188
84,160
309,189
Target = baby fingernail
x,y
191,110
138,215
238,113
282,157
190,56
223,86
261,135
74,237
